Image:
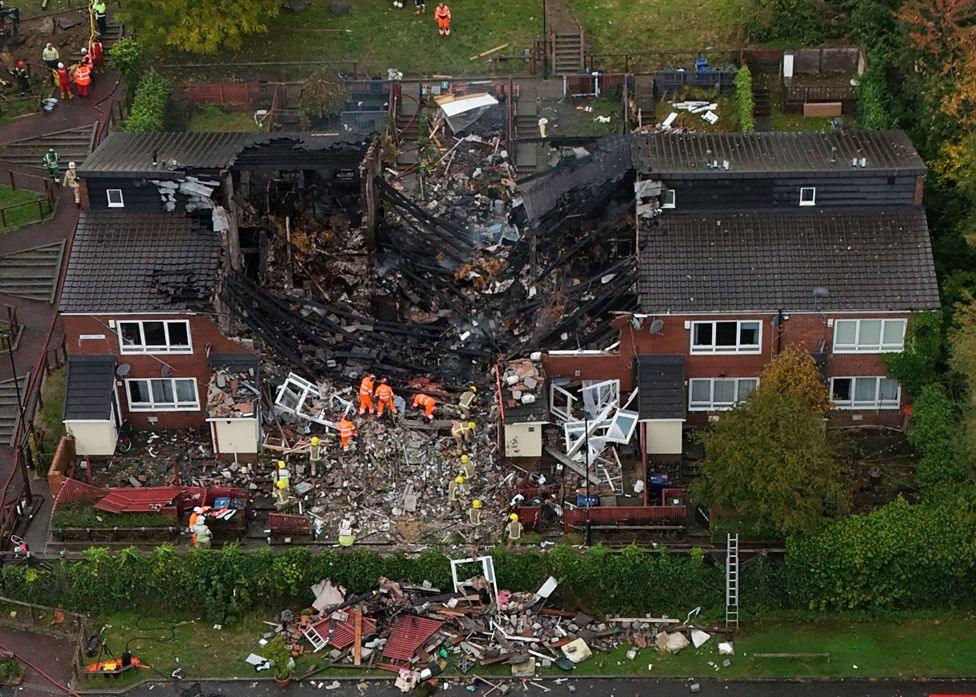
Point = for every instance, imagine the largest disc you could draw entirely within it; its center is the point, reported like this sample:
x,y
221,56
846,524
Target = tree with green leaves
x,y
198,26
744,103
920,363
126,57
770,458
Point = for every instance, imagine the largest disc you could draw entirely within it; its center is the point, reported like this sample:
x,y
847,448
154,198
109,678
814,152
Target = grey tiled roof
x,y
661,387
775,151
140,262
773,260
88,393
131,154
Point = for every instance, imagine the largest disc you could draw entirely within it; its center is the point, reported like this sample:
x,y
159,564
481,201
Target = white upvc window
x,y
733,336
808,196
867,392
162,394
155,336
115,199
869,335
668,198
718,394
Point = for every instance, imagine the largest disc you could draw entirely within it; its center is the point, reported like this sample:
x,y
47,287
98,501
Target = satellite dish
x,y
123,370
165,371
656,326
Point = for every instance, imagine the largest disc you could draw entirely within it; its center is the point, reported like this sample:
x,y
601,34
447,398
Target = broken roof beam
x,y
574,466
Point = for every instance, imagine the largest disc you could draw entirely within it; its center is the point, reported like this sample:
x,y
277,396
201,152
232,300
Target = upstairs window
x,y
808,196
668,199
726,337
150,336
869,335
115,198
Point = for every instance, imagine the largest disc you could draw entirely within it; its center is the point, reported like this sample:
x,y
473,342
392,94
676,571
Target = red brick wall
x,y
808,330
203,333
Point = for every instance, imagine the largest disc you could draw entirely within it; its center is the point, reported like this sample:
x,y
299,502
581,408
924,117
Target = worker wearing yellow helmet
x,y
467,466
462,432
466,401
474,513
514,529
314,455
454,491
281,493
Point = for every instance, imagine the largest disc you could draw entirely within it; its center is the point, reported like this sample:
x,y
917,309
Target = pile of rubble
x,y
232,394
420,632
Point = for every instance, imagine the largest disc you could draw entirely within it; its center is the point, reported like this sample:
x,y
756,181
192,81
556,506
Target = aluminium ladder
x,y
732,580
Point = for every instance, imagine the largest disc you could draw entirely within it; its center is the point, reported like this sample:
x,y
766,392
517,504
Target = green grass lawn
x,y
617,26
381,37
911,648
24,208
728,120
209,118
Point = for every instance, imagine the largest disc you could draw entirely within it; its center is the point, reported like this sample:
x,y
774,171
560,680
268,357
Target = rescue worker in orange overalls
x,y
425,402
97,53
443,17
347,429
83,79
366,395
384,398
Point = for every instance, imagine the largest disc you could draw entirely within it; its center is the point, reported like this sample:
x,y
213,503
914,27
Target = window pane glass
x,y
178,336
162,391
749,334
725,333
746,388
845,332
138,391
130,334
894,332
842,390
889,391
154,333
703,334
724,392
700,391
186,391
870,333
864,389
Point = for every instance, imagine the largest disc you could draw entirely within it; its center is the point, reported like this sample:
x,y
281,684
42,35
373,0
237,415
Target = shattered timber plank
x,y
573,465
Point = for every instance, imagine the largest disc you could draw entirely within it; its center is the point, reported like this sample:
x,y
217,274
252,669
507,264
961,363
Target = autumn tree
x,y
198,26
771,458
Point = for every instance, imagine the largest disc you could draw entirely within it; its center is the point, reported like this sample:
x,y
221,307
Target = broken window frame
x,y
616,432
564,414
303,388
607,395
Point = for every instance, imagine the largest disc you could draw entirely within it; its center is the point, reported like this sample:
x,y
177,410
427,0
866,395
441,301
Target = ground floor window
x,y
717,394
870,392
162,394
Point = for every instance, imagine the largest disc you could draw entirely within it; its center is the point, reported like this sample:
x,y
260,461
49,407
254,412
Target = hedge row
x,y
899,557
226,582
744,105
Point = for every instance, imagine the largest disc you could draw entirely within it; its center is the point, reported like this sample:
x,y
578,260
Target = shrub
x,y
322,95
126,57
920,362
934,433
148,114
873,112
743,100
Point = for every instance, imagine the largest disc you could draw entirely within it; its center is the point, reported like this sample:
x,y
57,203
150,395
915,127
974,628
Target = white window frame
x,y
166,406
108,197
857,347
875,405
813,198
144,348
711,406
674,198
724,350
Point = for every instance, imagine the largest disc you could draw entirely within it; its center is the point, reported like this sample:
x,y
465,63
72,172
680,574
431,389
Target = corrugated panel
x,y
344,633
408,634
138,500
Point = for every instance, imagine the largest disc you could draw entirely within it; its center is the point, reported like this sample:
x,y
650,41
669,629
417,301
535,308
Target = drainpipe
x,y
779,330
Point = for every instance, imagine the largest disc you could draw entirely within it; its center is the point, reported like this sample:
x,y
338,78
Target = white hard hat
x,y
84,50
71,165
196,509
60,65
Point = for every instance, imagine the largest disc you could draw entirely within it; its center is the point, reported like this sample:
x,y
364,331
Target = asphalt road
x,y
641,687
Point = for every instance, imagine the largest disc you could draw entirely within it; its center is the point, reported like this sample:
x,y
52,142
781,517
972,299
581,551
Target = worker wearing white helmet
x,y
71,181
